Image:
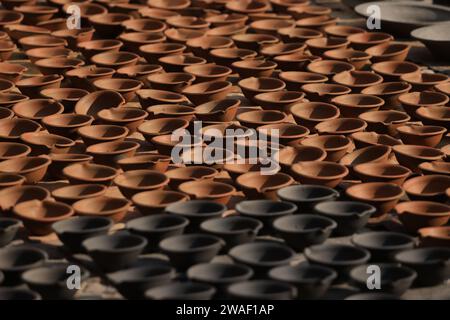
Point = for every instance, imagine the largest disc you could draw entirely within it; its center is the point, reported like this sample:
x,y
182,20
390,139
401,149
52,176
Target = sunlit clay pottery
x,y
11,71
72,193
38,41
372,154
208,190
434,115
208,72
388,91
316,22
171,81
107,153
62,160
176,62
352,105
357,80
428,188
227,56
202,45
103,206
434,236
11,129
130,118
298,34
421,214
13,150
152,52
36,109
108,25
292,154
270,26
133,40
344,126
74,36
253,86
7,100
6,113
365,139
155,201
33,86
102,133
43,143
82,77
336,146
254,119
126,87
365,40
382,172
282,49
329,67
319,45
207,91
32,168
388,52
295,79
393,70
66,96
413,100
10,180
254,67
94,47
359,59
323,173
309,114
412,156
384,121
90,173
256,185
178,176
144,161
115,60
218,110
324,92
15,195
149,97
92,103
162,126
342,31
58,65
435,167
280,100
36,54
179,111
429,136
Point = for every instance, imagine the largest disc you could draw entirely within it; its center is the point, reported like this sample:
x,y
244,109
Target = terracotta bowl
x,y
108,25
252,86
316,22
247,7
208,72
365,40
295,79
372,154
6,113
365,139
126,87
166,143
144,25
128,117
279,49
389,52
11,129
13,150
94,47
290,155
427,188
429,136
66,124
182,35
413,100
384,121
443,88
434,236
87,173
435,167
295,61
82,77
357,80
252,41
170,81
149,97
72,193
15,195
298,34
254,119
18,31
228,30
32,168
38,41
133,40
225,19
135,181
102,133
43,143
302,9
177,62
336,146
178,111
74,36
280,100
160,14
207,91
38,216
270,26
318,46
218,110
352,105
7,100
227,56
188,22
208,190
180,175
66,96
323,173
415,215
434,115
145,161
256,185
107,153
324,92
342,31
393,70
57,65
359,59
388,91
155,201
383,196
139,71
412,156
92,103
11,71
115,60
152,52
8,180
382,172
286,133
162,126
62,160
344,126
32,86
309,114
202,45
36,109
251,165
329,67
103,206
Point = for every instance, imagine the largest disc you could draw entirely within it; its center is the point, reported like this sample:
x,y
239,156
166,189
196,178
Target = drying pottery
x,y
421,214
33,169
57,65
36,109
152,52
107,153
311,281
388,91
94,134
413,100
32,86
180,175
15,195
384,121
6,113
11,180
139,71
342,31
144,25
279,49
383,245
318,46
323,173
208,190
181,35
114,208
90,173
366,139
207,91
66,124
424,81
177,62
411,156
262,290
130,118
434,115
270,26
389,52
427,188
371,154
82,77
309,114
365,40
316,22
18,259
114,252
136,181
257,118
115,60
11,129
341,126
324,92
280,100
43,143
8,230
161,126
44,41
126,87
350,216
11,71
435,167
286,133
218,110
359,59
108,25
336,146
434,37
68,97
257,67
256,185
208,72
292,154
7,100
74,36
72,232
382,172
234,170
305,197
181,291
434,236
431,264
248,6
13,150
352,105
252,86
227,19
190,249
149,97
18,31
295,79
393,70
171,111
358,80
429,136
72,193
62,160
94,47
202,45
301,231
171,81
329,67
93,102
298,34
142,161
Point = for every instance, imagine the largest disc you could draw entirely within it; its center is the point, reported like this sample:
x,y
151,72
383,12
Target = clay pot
x,y
208,190
295,61
142,161
208,72
91,48
202,45
16,260
252,86
155,201
383,196
384,121
310,114
68,97
383,245
316,22
92,103
171,81
218,110
427,188
357,80
262,290
382,172
136,181
72,193
6,113
82,77
270,26
57,65
90,173
443,88
324,92
359,59
8,230
126,87
253,42
144,25
150,97
431,264
286,133
18,31
318,46
364,40
157,14
388,91
342,31
7,100
182,35
43,143
13,150
139,72
15,195
11,71
420,214
261,256
295,79
366,139
256,185
74,36
292,154
32,86
10,180
41,41
177,111
152,52
107,153
324,173
435,167
95,134
188,22
115,60
389,52
133,40
335,146
329,67
434,115
393,70
434,236
227,56
429,136
307,196
303,230
104,206
341,126
10,17
32,168
183,174
226,19
411,156
130,118
190,249
207,91
352,105
248,6
38,216
228,30
108,25
67,124
298,34
37,109
413,100
161,126
282,49
280,100
177,62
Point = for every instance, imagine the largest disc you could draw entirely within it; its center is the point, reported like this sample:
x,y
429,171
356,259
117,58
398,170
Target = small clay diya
x,y
262,290
11,129
295,61
15,195
11,71
93,102
318,46
428,188
62,160
218,110
207,91
371,154
316,22
382,172
307,196
66,124
424,81
18,31
253,42
443,88
86,173
32,168
6,113
434,115
57,65
144,25
383,196
324,92
298,34
359,59
32,86
227,56
319,173
182,35
384,121
126,87
155,201
152,52
107,153
413,100
44,143
342,31
66,96
292,154
72,193
256,185
7,100
178,111
247,7
177,62
139,71
435,167
365,40
208,72
357,80
142,161
108,25
388,91
180,175
287,133
161,126
282,49
389,52
429,136
365,139
295,79
133,40
420,214
128,117
36,109
336,146
82,77
38,41
149,97
13,150
411,156
74,36
171,81
352,105
252,86
208,190
310,114
434,236
136,181
94,134
94,47
115,60
103,206
329,67
393,70
344,126
254,119
202,45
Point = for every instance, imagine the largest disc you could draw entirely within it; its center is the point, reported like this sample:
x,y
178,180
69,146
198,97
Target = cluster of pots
x,y
362,152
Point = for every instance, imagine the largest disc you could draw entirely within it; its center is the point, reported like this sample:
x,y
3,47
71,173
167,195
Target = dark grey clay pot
x,y
181,291
307,196
8,230
262,290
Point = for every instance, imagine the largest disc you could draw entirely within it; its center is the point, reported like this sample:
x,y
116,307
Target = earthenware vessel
x,y
72,232
257,118
318,46
32,86
295,61
323,173
8,230
393,70
341,126
152,52
292,154
207,91
33,169
259,186
298,34
115,60
202,45
413,100
357,80
72,193
66,96
420,214
365,40
11,129
74,36
108,25
208,190
11,180
316,22
7,100
340,257
411,156
218,110
181,290
161,126
434,236
43,143
301,231
136,181
359,59
36,109
149,97
395,279
388,91
309,114
329,67
262,290
144,161
11,71
365,139
427,188
94,134
107,153
350,216
324,92
435,167
180,175
384,196
132,283
18,31
424,81
389,52
144,25
208,72
18,259
443,88
190,249
82,77
133,40
280,100
431,264
434,115
15,195
13,150
44,41
93,102
126,87
371,154
382,172
303,9
234,170
254,67
295,79
37,54
179,111
311,281
429,136
279,49
336,146
6,113
57,65
114,252
252,86
128,117
270,26
342,31
307,196
352,105
171,81
90,173
384,121
182,35
383,245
